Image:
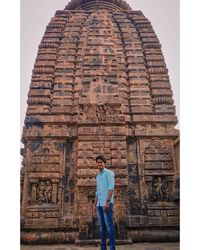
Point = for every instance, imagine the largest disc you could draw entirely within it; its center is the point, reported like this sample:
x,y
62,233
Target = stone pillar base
x,y
154,235
48,237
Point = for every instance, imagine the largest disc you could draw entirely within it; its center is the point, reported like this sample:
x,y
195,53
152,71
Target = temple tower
x,y
99,86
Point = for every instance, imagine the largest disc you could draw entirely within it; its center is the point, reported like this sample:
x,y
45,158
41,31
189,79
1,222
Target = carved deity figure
x,y
44,192
160,191
101,113
40,192
48,192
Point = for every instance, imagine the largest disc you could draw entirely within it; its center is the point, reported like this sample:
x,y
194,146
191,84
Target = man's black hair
x,y
101,157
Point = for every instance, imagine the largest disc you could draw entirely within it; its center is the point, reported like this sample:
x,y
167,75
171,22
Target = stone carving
x,y
157,156
40,192
48,192
163,100
38,100
47,214
47,147
48,45
158,70
155,147
87,114
101,113
160,189
46,156
43,71
33,145
43,192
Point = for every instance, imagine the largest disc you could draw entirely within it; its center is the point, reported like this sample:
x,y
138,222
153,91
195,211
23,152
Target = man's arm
x,y
111,184
109,195
96,200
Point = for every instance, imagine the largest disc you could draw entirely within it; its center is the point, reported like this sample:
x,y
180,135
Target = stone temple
x,y
100,85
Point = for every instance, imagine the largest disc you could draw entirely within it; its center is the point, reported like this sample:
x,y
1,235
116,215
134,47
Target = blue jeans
x,y
106,226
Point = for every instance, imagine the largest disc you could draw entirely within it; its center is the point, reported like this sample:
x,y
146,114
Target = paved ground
x,y
139,246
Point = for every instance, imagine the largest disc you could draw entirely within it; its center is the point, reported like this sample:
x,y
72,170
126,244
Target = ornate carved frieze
x,y
101,114
158,171
41,193
45,156
156,147
157,157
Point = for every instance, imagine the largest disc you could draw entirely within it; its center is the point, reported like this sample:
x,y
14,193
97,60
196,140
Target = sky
x,y
36,14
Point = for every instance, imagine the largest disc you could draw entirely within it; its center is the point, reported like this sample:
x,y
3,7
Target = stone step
x,y
96,242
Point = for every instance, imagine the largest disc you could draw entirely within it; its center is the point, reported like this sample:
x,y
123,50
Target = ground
x,y
139,246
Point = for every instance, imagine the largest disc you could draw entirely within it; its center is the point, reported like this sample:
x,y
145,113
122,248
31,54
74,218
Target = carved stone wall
x,y
99,86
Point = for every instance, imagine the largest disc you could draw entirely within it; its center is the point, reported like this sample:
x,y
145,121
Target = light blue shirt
x,y
105,182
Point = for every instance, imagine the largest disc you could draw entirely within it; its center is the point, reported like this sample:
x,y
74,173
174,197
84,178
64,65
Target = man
x,y
104,202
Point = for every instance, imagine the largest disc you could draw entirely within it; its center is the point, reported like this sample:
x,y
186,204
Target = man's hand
x,y
107,206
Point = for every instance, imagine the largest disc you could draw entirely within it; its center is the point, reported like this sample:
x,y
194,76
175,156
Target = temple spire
x,y
91,4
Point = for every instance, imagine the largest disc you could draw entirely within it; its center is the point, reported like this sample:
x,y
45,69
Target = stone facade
x,y
99,86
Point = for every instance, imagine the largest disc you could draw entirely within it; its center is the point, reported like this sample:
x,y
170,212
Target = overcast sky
x,y
36,14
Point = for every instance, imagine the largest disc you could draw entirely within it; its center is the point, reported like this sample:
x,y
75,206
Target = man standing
x,y
104,202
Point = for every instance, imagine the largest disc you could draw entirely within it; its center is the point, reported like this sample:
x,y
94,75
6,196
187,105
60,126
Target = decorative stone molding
x,y
163,100
39,101
158,70
48,45
43,70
